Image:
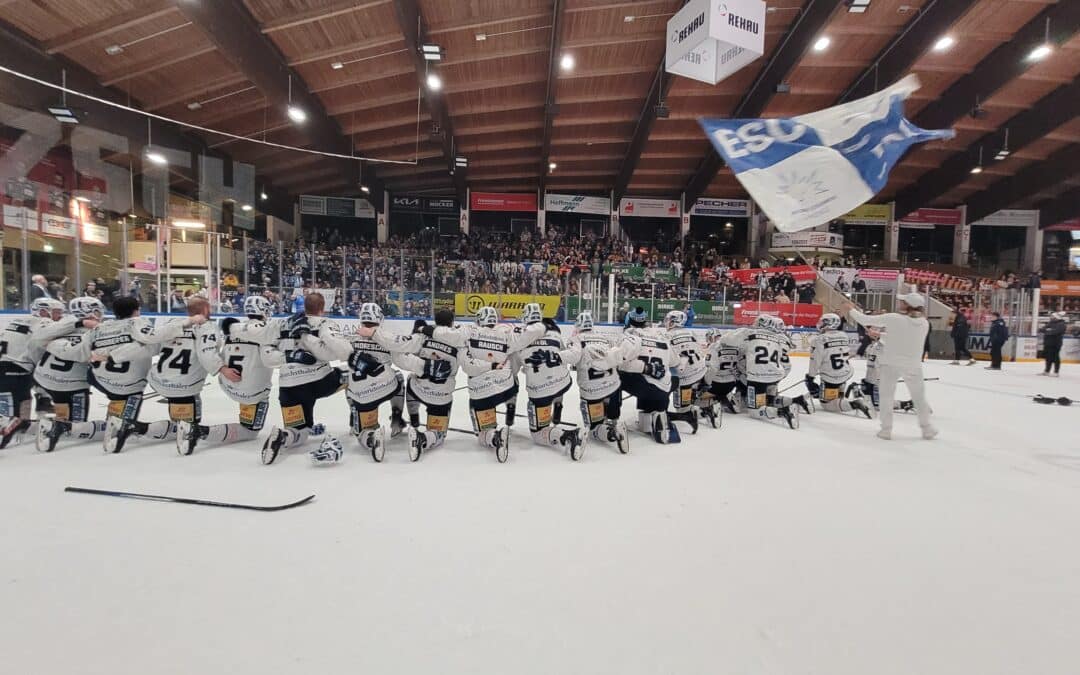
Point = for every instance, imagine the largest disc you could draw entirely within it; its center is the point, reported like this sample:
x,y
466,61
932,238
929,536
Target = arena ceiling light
x,y
552,166
1003,153
365,189
155,157
295,113
337,65
63,114
246,207
1045,49
822,43
113,50
567,62
461,161
434,82
858,6
944,43
263,196
432,52
978,168
189,224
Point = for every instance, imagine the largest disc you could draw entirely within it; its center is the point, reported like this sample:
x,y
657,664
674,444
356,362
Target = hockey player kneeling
x,y
597,356
306,343
547,378
764,361
721,375
830,359
250,354
17,360
492,379
373,381
689,377
433,367
648,378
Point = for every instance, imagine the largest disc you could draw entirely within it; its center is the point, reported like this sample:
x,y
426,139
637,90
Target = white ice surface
x,y
752,549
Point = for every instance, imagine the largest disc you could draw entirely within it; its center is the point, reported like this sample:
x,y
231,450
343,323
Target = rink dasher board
x,y
978,342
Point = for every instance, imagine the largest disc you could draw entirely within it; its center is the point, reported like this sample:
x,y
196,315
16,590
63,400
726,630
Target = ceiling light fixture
x,y
194,105
434,82
858,6
113,50
263,196
246,207
944,43
567,62
1003,153
432,52
365,189
629,18
552,166
822,43
295,113
189,224
978,168
64,114
155,157
337,65
1045,49
80,198
480,37
461,161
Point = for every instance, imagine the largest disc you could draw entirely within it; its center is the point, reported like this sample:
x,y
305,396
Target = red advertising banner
x,y
801,315
1071,288
502,201
934,217
802,273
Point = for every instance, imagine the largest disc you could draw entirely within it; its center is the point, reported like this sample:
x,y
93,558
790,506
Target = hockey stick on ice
x,y
183,500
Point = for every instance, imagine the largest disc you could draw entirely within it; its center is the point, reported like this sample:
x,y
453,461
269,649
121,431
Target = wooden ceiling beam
x,y
366,77
473,25
154,9
320,14
552,80
204,87
803,31
233,30
341,50
1059,209
154,63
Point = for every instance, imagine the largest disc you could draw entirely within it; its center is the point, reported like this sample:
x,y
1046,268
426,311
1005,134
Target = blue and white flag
x,y
805,171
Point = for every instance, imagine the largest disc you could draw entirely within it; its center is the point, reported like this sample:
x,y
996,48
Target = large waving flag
x,y
805,171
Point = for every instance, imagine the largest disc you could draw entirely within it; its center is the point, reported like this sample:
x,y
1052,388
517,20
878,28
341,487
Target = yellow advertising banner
x,y
868,214
508,305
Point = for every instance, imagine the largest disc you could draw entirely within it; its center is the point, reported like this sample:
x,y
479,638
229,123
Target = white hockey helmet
x,y
86,307
257,305
676,318
712,335
828,322
531,313
42,307
371,313
769,322
487,317
584,322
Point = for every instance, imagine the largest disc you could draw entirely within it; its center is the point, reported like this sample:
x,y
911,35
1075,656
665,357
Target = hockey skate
x,y
616,433
500,440
574,441
789,414
689,416
11,432
187,437
417,443
905,406
804,402
49,432
117,431
273,445
375,441
858,405
712,411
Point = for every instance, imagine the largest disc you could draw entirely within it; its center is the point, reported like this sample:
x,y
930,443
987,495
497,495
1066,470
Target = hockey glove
x,y
436,370
812,386
655,369
298,326
364,365
227,323
551,325
300,356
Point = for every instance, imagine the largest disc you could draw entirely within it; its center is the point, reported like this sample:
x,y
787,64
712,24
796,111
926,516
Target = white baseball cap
x,y
912,299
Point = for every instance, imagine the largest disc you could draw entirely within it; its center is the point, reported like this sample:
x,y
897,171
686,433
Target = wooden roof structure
x,y
510,109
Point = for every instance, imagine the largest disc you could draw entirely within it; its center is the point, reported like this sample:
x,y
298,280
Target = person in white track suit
x,y
871,383
764,361
254,362
648,377
18,357
64,378
596,357
492,378
901,357
830,359
547,378
433,368
721,375
689,376
305,344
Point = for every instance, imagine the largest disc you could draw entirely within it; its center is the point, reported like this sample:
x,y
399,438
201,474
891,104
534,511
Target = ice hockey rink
x,y
749,549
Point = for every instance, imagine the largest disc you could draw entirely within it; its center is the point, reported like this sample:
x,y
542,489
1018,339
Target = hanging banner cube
x,y
709,40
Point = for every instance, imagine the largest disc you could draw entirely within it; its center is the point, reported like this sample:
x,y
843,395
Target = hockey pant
x,y
722,392
364,417
763,398
652,403
252,418
484,417
832,398
15,400
438,418
72,410
684,396
298,405
595,413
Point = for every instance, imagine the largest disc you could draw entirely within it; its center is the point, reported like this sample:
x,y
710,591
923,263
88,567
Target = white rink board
x,y
752,549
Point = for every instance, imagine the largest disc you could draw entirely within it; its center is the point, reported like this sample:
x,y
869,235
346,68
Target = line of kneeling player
x,y
66,356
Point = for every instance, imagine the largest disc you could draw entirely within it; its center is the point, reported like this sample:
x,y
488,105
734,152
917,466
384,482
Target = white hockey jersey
x,y
186,361
542,360
829,357
492,347
598,378
722,359
366,386
764,355
255,362
692,366
434,364
652,350
130,345
873,351
16,342
55,370
325,344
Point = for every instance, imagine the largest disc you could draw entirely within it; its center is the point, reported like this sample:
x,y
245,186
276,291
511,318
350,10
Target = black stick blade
x,y
184,500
